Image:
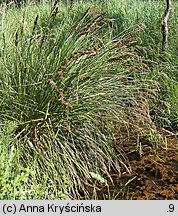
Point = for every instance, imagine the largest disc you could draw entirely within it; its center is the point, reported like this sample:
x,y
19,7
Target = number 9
x,y
171,207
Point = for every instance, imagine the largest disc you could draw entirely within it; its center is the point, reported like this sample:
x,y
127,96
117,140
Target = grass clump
x,y
15,179
81,86
11,177
68,88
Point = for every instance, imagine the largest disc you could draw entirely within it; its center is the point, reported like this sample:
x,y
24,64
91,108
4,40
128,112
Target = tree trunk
x,y
71,3
165,24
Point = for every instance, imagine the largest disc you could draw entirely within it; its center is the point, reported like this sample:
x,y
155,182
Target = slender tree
x,y
71,3
164,24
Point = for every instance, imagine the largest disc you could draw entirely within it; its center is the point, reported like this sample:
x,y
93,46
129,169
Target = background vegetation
x,y
77,85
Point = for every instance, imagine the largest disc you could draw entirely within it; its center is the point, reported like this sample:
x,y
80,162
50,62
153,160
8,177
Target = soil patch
x,y
154,176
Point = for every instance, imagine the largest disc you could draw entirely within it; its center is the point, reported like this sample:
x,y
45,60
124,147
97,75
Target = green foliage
x,y
18,182
66,86
98,178
69,78
13,177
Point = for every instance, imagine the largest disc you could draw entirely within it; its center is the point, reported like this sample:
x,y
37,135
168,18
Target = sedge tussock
x,y
77,92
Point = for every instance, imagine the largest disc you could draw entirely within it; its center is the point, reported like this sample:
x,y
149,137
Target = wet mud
x,y
153,176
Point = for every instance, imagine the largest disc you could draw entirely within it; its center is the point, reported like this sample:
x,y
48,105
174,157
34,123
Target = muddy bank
x,y
154,175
